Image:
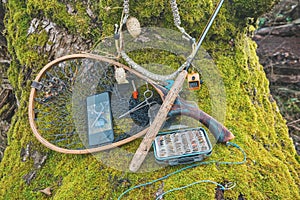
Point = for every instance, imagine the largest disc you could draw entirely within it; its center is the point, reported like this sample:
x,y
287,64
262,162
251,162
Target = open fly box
x,y
182,146
99,117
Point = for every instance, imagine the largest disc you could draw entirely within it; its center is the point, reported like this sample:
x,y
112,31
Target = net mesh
x,y
61,110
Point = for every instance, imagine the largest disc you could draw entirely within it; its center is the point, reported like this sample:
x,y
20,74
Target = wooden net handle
x,y
160,118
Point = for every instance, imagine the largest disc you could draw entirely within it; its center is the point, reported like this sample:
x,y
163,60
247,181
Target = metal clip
x,y
229,186
37,85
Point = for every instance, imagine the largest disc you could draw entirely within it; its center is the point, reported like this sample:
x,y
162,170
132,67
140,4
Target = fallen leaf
x,y
46,191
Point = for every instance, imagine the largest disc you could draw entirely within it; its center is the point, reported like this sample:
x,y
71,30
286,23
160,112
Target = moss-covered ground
x,y
272,167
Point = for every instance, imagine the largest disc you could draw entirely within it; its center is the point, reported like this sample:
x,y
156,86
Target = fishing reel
x,y
194,81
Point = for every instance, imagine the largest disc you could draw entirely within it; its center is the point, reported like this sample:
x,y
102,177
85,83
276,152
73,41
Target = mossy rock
x,y
271,170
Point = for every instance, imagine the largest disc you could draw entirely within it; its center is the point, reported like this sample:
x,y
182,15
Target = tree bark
x,y
37,32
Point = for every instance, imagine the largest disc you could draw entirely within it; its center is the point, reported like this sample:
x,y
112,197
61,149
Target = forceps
x,y
147,96
99,114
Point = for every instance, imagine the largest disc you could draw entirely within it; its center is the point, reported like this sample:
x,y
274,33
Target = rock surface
x,y
7,99
278,39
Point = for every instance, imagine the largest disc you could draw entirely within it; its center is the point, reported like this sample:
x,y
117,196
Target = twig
x,y
295,137
293,122
3,61
295,127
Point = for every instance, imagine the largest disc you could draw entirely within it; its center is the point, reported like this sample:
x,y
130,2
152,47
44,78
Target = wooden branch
x,y
283,30
3,97
285,78
3,61
295,127
292,122
295,137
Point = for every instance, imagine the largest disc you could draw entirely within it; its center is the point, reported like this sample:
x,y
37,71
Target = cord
x,y
222,187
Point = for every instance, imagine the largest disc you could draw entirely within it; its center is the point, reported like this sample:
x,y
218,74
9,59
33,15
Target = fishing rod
x,y
203,34
161,116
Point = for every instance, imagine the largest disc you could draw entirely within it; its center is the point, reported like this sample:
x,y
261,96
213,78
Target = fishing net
x,y
85,103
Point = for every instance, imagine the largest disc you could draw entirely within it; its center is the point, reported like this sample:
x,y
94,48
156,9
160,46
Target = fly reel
x,y
194,81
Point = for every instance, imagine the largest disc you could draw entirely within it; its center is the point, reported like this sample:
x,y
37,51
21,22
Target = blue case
x,y
182,146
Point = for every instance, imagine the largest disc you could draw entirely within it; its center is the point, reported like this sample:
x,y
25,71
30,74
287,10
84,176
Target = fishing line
x,y
222,187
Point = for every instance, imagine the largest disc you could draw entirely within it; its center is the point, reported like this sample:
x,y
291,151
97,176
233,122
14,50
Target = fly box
x,y
100,129
182,146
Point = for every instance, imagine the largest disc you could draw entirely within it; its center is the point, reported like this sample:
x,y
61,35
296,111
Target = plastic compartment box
x,y
100,129
182,146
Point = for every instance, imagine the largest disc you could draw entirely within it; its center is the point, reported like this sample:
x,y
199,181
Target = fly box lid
x,y
99,117
182,146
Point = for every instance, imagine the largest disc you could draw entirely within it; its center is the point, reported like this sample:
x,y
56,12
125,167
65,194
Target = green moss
x,y
4,108
245,9
272,167
57,12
